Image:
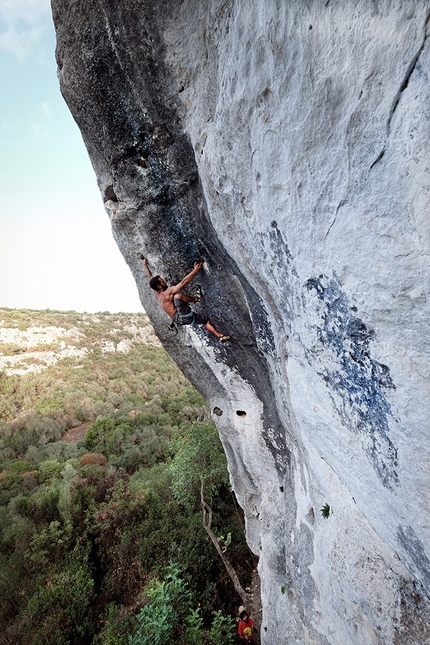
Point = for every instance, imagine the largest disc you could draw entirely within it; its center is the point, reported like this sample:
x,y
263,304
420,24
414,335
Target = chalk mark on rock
x,y
358,380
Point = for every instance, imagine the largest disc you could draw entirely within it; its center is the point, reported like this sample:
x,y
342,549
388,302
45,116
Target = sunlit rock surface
x,y
287,144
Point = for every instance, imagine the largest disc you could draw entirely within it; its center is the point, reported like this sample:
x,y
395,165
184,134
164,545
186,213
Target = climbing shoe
x,y
224,338
173,328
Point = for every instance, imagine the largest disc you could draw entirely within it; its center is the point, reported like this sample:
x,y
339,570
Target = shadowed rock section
x,y
287,145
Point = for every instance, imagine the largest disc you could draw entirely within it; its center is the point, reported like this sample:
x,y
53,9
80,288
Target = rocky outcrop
x,y
286,143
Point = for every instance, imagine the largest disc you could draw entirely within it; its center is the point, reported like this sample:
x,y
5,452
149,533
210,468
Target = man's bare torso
x,y
165,300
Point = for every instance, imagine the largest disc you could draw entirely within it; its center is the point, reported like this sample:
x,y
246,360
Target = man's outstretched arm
x,y
145,264
177,287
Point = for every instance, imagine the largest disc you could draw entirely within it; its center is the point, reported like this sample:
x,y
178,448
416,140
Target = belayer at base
x,y
245,628
176,304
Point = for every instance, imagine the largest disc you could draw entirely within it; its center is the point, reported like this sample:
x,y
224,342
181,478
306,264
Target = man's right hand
x,y
198,266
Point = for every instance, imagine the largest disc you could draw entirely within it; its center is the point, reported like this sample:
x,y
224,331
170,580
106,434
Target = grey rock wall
x,y
286,143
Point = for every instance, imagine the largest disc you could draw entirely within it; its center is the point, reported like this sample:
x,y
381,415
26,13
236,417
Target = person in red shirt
x,y
245,628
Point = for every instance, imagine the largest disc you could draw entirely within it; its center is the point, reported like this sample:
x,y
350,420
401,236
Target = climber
x,y
176,304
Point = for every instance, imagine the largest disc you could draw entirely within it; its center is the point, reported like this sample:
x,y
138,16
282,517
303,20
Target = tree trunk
x,y
207,521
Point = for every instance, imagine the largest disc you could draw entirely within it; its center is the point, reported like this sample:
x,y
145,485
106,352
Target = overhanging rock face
x,y
287,144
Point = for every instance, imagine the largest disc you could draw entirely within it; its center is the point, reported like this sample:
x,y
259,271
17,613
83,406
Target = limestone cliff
x,y
287,144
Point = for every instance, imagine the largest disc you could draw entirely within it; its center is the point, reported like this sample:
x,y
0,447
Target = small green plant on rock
x,y
325,511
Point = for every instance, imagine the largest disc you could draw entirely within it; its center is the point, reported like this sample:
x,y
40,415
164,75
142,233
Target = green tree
x,y
160,621
169,617
222,630
199,470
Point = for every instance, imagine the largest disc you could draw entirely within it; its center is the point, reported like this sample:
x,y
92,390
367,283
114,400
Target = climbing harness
x,y
185,319
187,316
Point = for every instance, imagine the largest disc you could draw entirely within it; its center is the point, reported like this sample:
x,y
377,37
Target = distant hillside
x,y
30,341
63,370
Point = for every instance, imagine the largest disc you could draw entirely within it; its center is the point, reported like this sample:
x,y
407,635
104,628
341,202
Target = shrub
x,y
159,622
102,430
116,626
21,505
59,611
49,469
44,502
57,451
18,467
95,458
169,617
222,630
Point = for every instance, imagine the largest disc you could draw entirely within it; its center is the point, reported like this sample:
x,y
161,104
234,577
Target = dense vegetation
x,y
101,539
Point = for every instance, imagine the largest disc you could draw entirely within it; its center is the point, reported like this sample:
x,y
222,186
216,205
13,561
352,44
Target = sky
x,y
56,245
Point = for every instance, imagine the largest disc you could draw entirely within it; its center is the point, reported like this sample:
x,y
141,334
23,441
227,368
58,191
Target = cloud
x,y
45,109
22,25
42,117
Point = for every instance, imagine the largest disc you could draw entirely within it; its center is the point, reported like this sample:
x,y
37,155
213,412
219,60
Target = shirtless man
x,y
176,304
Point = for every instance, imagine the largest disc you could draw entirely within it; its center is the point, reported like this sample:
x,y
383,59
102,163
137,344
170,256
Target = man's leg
x,y
202,319
218,334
